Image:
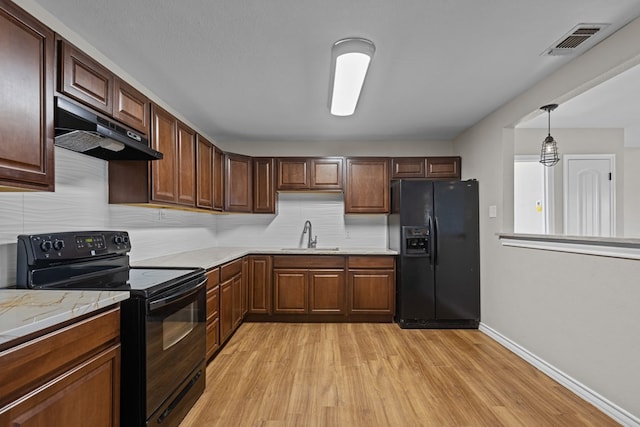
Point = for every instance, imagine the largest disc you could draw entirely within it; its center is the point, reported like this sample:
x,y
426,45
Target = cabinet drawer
x,y
371,262
213,278
32,363
230,269
305,261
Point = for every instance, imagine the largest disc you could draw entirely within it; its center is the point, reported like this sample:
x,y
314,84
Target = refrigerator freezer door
x,y
457,261
416,291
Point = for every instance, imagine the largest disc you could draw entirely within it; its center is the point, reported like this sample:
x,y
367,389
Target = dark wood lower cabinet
x,y
322,288
213,312
326,292
68,377
259,284
231,296
226,309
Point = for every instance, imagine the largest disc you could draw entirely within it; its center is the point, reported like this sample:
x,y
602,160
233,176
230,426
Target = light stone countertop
x,y
213,257
24,311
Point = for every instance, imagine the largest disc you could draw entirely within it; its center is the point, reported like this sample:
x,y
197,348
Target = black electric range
x,y
162,323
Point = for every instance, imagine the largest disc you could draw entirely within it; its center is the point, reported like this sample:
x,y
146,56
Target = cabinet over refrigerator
x,y
433,226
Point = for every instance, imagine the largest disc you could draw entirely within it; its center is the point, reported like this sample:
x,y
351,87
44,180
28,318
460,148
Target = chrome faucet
x,y
307,228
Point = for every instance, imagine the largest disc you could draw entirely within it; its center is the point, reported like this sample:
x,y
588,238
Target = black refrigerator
x,y
433,226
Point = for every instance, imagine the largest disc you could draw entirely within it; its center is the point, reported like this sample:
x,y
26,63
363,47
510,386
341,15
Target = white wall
x,y
577,312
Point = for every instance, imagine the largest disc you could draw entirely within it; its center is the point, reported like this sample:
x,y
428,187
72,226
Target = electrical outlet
x,y
162,214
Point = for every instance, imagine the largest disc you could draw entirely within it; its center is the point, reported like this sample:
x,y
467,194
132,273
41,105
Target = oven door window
x,y
178,325
175,345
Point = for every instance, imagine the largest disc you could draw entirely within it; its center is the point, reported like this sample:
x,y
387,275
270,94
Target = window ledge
x,y
601,246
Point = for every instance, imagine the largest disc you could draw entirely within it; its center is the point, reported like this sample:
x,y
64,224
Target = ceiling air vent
x,y
579,39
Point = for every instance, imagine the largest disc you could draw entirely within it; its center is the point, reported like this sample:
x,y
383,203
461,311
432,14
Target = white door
x,y
589,195
532,199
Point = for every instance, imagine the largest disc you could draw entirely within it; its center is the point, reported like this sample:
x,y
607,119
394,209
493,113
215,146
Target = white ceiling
x,y
259,70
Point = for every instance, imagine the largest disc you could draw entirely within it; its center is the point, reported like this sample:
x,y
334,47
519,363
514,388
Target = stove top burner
x,y
90,260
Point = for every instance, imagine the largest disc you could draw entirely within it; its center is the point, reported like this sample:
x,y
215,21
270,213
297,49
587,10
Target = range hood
x,y
78,129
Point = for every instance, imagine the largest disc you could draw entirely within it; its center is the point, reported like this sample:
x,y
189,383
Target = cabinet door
x,y
213,312
367,185
238,183
26,101
293,174
260,288
326,292
84,79
226,309
204,172
264,194
87,394
371,291
186,165
130,106
237,301
218,179
443,167
164,172
290,291
245,287
325,174
408,167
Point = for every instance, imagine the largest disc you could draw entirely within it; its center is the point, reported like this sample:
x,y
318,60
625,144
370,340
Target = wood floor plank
x,y
333,375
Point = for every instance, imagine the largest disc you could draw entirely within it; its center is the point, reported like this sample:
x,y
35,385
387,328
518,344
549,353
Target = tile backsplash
x,y
80,202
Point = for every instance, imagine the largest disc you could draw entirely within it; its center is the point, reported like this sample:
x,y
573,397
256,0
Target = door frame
x,y
549,205
565,186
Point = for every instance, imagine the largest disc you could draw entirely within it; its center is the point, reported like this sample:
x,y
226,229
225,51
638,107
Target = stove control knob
x,y
58,244
46,245
125,239
117,239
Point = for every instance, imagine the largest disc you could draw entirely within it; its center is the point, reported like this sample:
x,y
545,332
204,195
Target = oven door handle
x,y
179,296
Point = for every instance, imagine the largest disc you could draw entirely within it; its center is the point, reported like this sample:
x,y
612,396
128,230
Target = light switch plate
x,y
493,211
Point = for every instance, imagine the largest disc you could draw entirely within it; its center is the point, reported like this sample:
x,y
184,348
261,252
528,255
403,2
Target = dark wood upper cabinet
x,y
26,101
264,193
238,183
408,167
322,173
293,174
325,173
425,167
443,167
130,106
87,81
367,185
84,79
173,177
204,172
186,165
218,179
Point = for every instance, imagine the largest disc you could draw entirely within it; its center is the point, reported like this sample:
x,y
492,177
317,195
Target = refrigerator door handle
x,y
431,247
436,242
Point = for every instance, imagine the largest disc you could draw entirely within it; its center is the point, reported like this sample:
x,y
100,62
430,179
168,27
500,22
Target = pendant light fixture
x,y
350,59
549,152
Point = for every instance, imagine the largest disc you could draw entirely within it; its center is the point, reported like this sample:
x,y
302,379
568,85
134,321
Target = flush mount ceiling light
x,y
350,59
549,151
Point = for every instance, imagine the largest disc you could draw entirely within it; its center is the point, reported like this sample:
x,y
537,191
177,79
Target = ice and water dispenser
x,y
415,241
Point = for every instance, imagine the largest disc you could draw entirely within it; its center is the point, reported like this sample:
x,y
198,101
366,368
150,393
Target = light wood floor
x,y
378,375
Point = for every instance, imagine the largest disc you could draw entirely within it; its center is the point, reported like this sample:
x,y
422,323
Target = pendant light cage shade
x,y
549,151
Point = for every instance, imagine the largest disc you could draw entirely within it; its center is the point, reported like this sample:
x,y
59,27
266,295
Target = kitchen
x,y
511,299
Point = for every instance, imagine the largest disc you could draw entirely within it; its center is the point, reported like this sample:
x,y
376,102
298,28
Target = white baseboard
x,y
611,409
